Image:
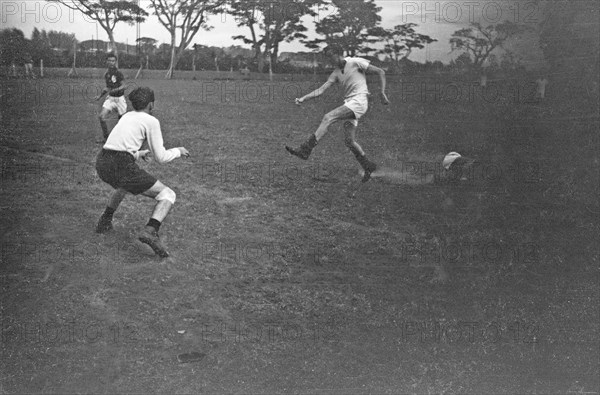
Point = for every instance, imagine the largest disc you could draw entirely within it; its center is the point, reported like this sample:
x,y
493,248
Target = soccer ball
x,y
449,159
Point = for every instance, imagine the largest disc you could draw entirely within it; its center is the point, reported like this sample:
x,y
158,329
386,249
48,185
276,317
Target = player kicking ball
x,y
116,166
350,73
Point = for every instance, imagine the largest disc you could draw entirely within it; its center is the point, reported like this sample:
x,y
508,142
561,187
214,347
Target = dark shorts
x,y
119,170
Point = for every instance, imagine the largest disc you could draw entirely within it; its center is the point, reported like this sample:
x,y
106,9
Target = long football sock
x,y
154,223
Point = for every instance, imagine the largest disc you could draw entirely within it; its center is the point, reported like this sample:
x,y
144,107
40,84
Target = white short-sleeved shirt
x,y
133,129
353,78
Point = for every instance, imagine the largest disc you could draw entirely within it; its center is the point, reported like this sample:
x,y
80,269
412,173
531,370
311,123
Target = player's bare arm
x,y
316,93
381,72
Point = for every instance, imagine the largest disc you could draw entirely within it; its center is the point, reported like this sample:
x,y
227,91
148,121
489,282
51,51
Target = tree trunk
x,y
259,58
275,53
270,69
172,64
113,45
261,63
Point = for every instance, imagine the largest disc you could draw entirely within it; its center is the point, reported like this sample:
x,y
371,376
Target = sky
x,y
438,19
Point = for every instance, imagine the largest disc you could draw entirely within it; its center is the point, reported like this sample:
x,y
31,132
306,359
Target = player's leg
x,y
337,114
115,199
121,106
165,198
369,167
102,117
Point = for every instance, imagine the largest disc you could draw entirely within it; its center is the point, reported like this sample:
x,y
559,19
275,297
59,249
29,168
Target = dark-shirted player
x,y
116,166
115,101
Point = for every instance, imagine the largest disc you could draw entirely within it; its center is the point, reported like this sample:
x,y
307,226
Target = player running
x,y
350,73
116,166
116,94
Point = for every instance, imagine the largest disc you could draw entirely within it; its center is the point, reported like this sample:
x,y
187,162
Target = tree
x,y
401,41
462,62
479,42
271,23
12,46
349,26
108,13
60,40
40,46
189,16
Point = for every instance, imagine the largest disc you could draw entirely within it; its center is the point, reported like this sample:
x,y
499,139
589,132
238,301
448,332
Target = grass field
x,y
291,276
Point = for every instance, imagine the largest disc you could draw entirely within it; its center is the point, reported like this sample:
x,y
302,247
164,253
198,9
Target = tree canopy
x,y
348,25
400,41
107,13
271,23
479,41
189,16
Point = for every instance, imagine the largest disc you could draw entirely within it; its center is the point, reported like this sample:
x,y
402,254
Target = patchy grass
x,y
293,276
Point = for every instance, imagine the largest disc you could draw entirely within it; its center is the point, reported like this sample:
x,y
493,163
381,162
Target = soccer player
x,y
350,73
116,94
116,166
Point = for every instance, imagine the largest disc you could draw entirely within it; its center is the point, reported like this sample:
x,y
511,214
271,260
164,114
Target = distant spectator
x,y
13,70
245,71
483,80
541,87
28,62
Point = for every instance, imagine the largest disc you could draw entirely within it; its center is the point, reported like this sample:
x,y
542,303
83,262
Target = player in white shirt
x,y
116,166
350,73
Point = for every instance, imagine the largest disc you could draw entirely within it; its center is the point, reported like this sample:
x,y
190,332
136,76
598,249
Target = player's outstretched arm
x,y
156,145
102,94
118,90
316,93
112,92
381,72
